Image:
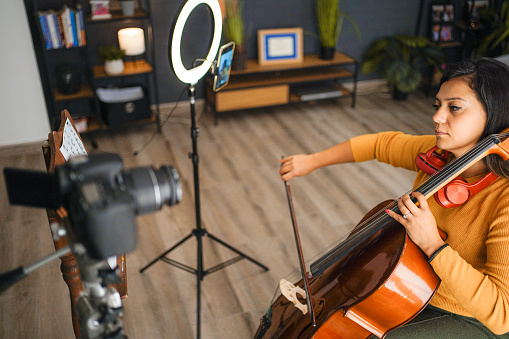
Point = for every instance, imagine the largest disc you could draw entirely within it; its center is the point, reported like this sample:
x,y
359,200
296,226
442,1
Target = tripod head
x,y
99,307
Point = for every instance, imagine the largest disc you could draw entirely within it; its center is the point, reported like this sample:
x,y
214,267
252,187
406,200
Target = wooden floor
x,y
243,203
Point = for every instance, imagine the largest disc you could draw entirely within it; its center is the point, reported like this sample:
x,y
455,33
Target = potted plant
x,y
401,59
233,29
112,57
128,7
496,43
330,22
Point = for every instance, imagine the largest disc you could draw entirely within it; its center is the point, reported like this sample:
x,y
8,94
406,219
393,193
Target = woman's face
x,y
459,119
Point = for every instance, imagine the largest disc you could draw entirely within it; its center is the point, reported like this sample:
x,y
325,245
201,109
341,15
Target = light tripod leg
x,y
237,251
165,253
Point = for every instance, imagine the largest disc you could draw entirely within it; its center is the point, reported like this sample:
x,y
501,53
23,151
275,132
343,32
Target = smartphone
x,y
223,67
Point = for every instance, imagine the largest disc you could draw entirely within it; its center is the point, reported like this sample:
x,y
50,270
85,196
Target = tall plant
x,y
330,22
233,25
499,37
401,59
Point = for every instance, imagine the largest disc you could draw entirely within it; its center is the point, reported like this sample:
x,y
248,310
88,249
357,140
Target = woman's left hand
x,y
419,223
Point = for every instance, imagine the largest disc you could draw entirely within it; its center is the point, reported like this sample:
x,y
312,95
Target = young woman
x,y
473,262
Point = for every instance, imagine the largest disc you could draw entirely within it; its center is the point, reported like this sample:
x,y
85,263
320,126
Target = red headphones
x,y
458,190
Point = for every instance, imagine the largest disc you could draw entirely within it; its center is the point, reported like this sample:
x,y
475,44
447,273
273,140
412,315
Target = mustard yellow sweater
x,y
474,269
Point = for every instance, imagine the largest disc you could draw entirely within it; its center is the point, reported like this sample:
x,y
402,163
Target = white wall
x,y
23,115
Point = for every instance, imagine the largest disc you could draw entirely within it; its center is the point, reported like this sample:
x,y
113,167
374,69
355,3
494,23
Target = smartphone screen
x,y
224,64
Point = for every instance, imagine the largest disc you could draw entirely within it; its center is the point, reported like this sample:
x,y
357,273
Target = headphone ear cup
x,y
431,161
454,194
458,191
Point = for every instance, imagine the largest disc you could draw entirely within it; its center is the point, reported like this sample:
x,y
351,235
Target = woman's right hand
x,y
296,166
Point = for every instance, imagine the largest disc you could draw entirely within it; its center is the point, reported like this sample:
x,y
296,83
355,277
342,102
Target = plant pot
x,y
399,95
114,67
239,61
128,7
327,53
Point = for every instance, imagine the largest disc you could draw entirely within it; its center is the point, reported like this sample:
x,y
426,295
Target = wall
x,y
23,116
375,19
20,88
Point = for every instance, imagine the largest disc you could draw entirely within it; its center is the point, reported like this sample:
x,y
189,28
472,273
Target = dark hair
x,y
489,79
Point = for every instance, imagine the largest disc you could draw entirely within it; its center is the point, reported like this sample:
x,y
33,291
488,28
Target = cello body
x,y
378,286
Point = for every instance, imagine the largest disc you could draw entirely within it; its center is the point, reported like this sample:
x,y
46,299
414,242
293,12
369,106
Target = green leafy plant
x,y
233,24
401,59
330,22
108,53
500,35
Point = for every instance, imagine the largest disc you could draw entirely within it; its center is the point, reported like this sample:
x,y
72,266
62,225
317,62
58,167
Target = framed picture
x,y
446,33
474,6
441,22
278,46
448,13
435,32
437,12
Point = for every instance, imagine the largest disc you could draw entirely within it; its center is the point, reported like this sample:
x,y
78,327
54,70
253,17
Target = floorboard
x,y
243,203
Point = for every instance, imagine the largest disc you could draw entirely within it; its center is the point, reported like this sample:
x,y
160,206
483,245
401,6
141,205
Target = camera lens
x,y
152,188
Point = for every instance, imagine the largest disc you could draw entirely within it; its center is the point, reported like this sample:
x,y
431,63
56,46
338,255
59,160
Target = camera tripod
x,y
199,231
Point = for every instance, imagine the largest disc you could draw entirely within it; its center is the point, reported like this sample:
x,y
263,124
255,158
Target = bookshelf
x,y
91,33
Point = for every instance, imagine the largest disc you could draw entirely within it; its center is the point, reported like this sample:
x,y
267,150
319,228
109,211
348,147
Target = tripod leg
x,y
165,253
199,278
237,251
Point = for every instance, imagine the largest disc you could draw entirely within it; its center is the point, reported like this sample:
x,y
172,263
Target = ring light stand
x,y
191,77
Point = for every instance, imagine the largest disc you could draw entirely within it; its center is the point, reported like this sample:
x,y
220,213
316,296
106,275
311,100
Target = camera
x,y
101,198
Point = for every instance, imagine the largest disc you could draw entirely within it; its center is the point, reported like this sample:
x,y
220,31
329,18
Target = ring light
x,y
192,75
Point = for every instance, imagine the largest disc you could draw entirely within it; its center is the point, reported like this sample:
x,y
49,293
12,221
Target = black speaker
x,y
68,78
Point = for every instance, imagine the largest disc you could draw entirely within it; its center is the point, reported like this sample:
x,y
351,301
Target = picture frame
x,y
448,13
441,22
446,33
437,12
280,46
473,7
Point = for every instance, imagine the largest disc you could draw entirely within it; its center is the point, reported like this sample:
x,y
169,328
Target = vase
x,y
327,53
128,7
114,67
239,61
399,95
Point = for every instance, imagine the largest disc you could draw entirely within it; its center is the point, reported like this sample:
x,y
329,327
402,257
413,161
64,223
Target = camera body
x,y
101,210
100,197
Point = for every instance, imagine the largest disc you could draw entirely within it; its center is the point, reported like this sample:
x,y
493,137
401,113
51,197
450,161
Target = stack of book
x,y
64,28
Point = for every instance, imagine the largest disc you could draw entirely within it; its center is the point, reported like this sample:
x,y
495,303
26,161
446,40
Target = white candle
x,y
132,40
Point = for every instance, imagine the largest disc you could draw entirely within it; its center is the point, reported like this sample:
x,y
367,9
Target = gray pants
x,y
434,322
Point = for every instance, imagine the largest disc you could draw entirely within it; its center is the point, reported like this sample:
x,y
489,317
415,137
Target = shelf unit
x,y
98,32
261,86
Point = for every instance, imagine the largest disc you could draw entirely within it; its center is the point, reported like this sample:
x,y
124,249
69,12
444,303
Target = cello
x,y
371,281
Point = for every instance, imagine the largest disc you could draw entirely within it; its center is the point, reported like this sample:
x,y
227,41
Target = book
x,y
53,29
72,15
100,9
65,13
82,25
79,26
61,29
318,91
45,30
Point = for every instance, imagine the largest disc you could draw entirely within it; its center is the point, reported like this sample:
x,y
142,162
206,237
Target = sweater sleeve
x,y
394,148
483,293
